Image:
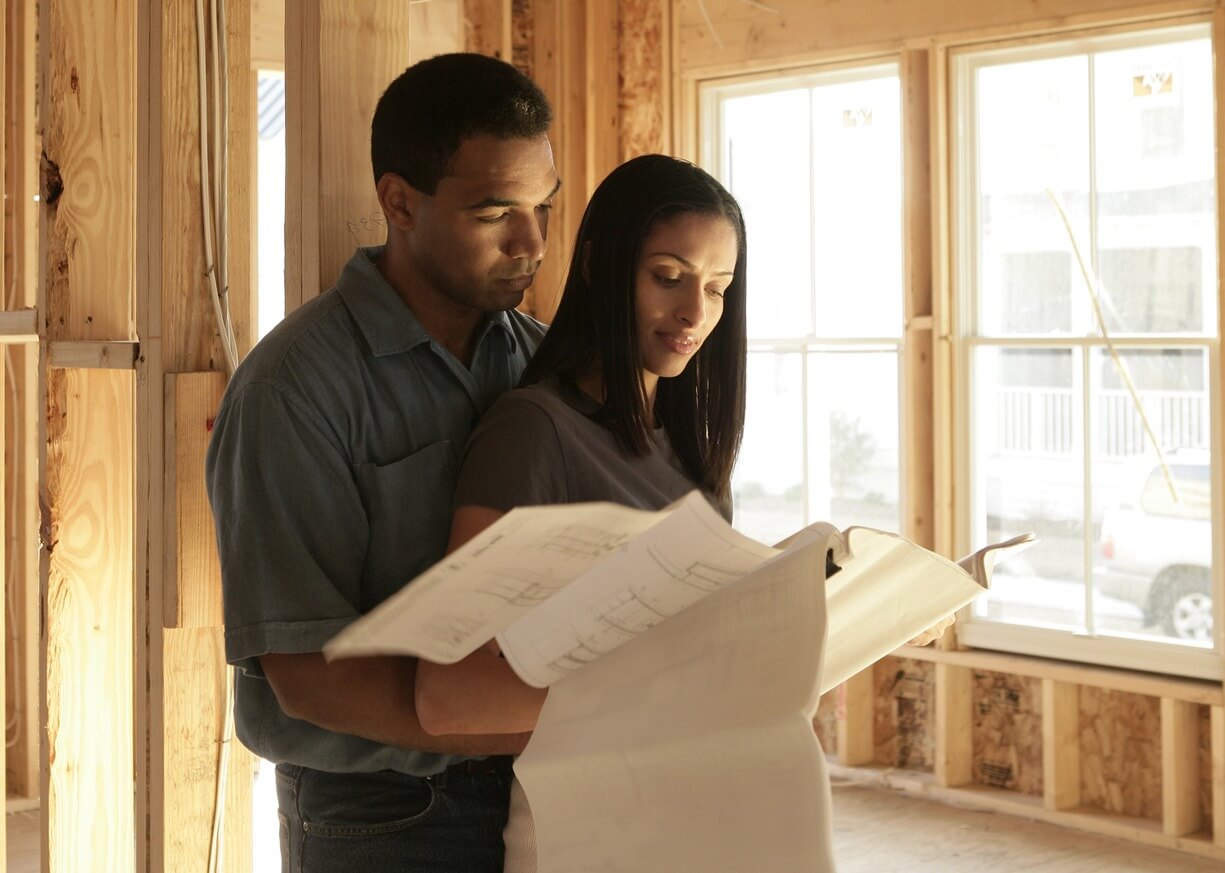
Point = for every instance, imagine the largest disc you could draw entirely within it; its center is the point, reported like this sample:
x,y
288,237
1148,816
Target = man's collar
x,y
387,323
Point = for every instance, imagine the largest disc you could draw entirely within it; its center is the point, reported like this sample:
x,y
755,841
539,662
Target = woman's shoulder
x,y
547,398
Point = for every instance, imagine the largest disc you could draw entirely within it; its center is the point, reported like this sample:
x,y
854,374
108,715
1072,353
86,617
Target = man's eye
x,y
492,219
545,207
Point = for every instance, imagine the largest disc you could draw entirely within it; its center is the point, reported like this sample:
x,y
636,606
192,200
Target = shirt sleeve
x,y
513,458
292,533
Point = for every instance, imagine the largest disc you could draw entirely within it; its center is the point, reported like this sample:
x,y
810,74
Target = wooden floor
x,y
877,831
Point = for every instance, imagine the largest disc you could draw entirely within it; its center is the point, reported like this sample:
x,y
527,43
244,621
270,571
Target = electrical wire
x,y
211,58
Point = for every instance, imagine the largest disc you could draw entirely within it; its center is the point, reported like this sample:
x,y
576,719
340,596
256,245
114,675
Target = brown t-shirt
x,y
541,444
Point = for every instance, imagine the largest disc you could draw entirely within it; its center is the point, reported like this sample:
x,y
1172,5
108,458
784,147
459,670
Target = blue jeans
x,y
389,822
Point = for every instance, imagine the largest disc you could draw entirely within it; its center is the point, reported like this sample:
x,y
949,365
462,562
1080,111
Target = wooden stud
x,y
192,568
24,409
1217,728
855,720
488,27
917,372
1060,745
93,355
19,326
642,44
268,34
340,57
602,126
1180,802
87,571
954,725
435,28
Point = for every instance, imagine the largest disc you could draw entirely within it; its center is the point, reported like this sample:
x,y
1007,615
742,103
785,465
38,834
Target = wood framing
x,y
954,715
1061,745
487,27
1181,811
22,409
856,743
340,56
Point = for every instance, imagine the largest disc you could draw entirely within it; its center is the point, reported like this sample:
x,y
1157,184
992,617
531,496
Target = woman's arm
x,y
480,694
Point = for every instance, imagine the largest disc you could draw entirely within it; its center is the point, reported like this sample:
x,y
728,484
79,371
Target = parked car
x,y
1155,547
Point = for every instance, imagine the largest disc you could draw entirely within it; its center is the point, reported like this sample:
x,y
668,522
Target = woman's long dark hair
x,y
595,327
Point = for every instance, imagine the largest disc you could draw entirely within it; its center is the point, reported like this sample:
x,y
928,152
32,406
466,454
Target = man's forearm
x,y
371,698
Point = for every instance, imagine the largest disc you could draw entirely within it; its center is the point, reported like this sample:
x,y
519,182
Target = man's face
x,y
478,239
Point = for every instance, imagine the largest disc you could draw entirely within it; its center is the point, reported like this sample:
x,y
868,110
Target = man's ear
x,y
398,200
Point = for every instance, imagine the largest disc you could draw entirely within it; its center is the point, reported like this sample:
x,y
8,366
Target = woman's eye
x,y
667,281
716,292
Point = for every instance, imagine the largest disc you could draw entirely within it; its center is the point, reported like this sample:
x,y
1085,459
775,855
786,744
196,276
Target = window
x,y
815,161
1088,393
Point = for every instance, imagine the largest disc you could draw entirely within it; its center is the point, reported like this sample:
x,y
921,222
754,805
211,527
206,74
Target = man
x,y
332,465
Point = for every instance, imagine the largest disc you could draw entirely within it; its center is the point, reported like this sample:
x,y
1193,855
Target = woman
x,y
636,396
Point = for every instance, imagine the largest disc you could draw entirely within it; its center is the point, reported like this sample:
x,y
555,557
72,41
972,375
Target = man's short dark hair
x,y
436,104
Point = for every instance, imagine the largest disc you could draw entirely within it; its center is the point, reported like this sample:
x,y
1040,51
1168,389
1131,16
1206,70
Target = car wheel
x,y
1188,613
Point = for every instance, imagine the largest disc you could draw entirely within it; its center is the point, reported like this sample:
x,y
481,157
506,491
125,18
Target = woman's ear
x,y
398,200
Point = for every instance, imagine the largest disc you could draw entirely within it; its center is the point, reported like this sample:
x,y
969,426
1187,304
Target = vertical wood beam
x,y
602,112
954,725
558,65
340,56
186,716
86,463
918,478
856,720
1180,797
1217,728
23,410
1060,745
488,27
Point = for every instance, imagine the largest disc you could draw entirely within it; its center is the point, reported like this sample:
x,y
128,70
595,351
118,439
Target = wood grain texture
x,y
88,177
24,410
1060,745
89,625
435,28
644,81
954,725
1180,768
192,595
602,109
1120,747
268,34
740,35
487,28
1007,713
854,720
340,56
1217,745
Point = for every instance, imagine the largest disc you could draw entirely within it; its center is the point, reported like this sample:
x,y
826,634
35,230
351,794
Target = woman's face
x,y
686,266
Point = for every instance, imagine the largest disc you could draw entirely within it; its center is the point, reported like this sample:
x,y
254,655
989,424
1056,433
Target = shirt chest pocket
x,y
408,509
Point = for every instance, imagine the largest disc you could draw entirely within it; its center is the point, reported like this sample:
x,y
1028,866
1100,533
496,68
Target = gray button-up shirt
x,y
331,471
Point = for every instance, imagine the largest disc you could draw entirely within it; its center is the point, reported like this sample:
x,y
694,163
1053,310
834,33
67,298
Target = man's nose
x,y
528,238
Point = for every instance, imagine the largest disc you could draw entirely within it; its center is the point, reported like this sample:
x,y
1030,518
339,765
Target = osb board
x,y
639,52
826,722
1008,731
1205,764
905,702
1120,752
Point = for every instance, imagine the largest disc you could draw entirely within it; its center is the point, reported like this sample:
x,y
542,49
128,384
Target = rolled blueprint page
x,y
691,748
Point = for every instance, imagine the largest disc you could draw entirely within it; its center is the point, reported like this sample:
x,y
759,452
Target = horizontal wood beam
x,y
18,326
1151,684
93,355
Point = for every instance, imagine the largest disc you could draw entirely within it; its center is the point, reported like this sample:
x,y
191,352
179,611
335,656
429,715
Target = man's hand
x,y
934,632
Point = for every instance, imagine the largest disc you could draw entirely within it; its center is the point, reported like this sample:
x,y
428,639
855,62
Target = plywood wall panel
x,y
1008,731
905,702
1120,740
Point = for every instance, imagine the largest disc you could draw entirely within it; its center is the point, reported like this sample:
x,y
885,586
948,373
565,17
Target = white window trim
x,y
1116,650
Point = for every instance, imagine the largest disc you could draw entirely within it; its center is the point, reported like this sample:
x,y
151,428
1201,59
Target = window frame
x,y
711,137
1115,650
